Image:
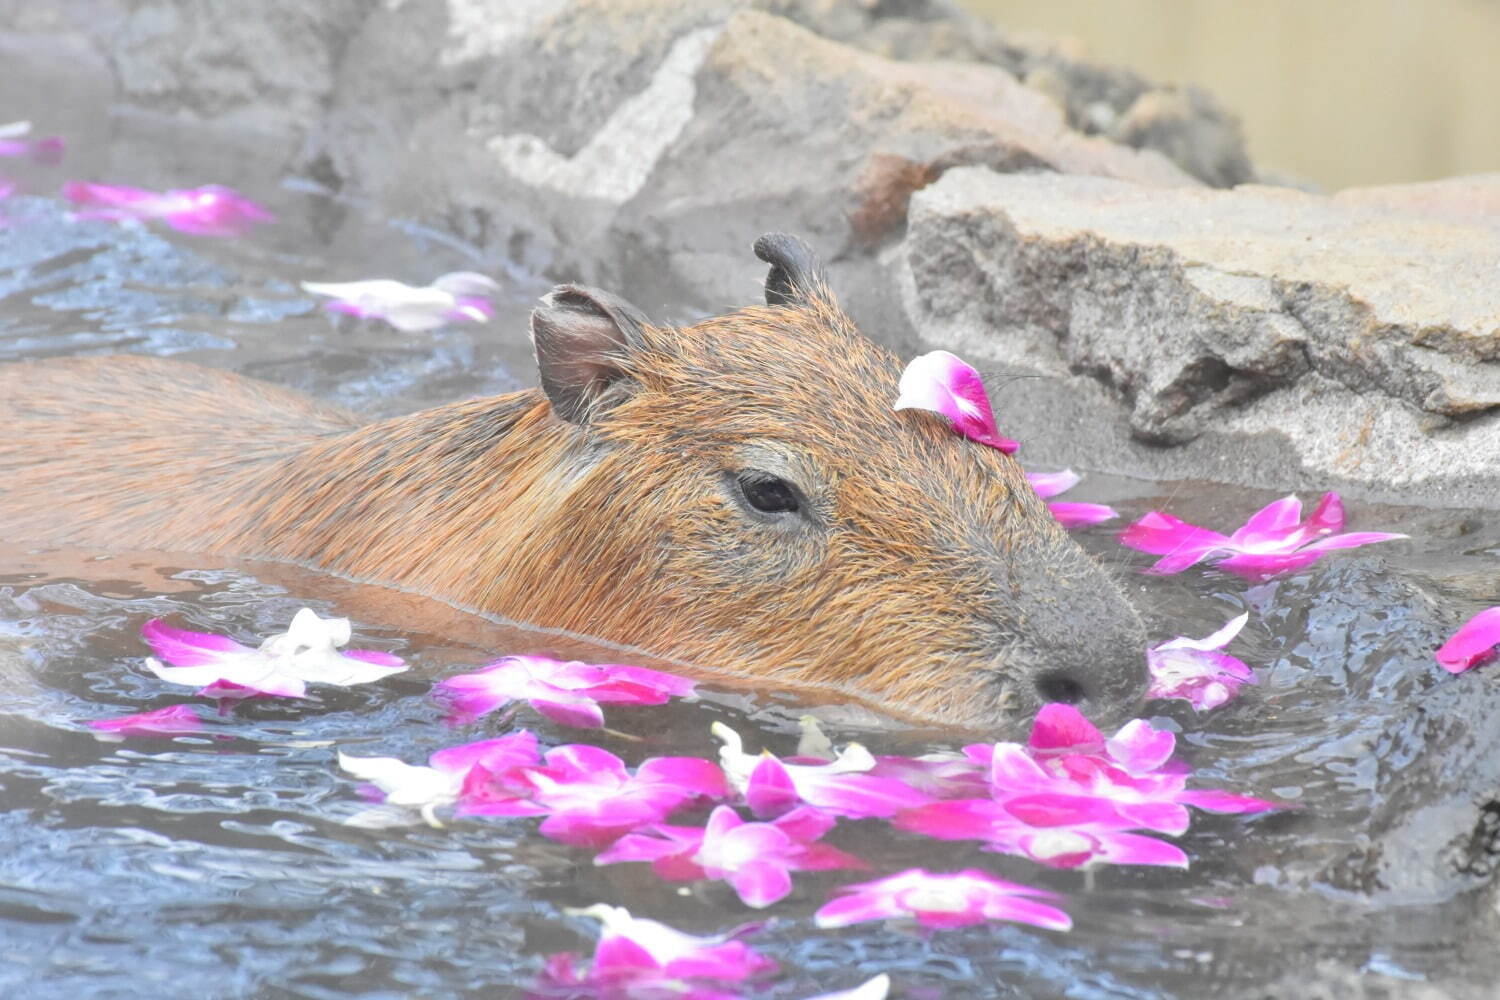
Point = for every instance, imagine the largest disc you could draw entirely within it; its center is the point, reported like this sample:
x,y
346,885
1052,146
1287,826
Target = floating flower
x,y
1472,644
1070,797
756,859
442,781
1070,513
203,211
168,721
14,143
1198,670
841,786
283,666
462,296
637,957
591,799
568,693
945,385
1274,540
956,900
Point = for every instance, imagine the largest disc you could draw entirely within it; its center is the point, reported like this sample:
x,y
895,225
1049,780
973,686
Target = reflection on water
x,y
219,865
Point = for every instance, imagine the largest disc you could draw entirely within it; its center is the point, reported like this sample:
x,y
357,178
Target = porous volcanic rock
x,y
1270,336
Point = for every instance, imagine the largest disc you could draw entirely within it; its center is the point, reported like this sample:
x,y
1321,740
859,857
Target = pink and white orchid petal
x,y
954,819
1275,524
1050,484
770,790
1072,514
1351,540
1472,644
517,749
943,384
804,824
248,672
1257,566
1164,535
760,883
694,776
168,721
1328,517
182,648
1063,727
1014,770
1140,746
404,784
1216,640
1044,809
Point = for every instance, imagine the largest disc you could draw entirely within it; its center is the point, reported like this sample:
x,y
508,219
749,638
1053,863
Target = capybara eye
x,y
767,493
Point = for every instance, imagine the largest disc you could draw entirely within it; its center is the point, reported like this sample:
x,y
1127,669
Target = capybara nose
x,y
1109,694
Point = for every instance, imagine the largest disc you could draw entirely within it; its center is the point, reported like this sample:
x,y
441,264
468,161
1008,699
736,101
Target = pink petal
x,y
375,656
692,775
160,722
760,883
1350,540
1472,644
1260,566
1060,809
581,713
804,824
1063,727
1328,517
1139,746
1163,534
1134,849
956,819
1274,523
943,384
182,648
645,846
1012,770
1029,911
1071,514
770,790
518,749
1050,484
856,908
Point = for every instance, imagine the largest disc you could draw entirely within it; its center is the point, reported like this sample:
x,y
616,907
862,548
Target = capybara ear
x,y
581,336
796,276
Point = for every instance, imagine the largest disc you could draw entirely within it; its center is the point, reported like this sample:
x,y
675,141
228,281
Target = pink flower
x,y
756,859
567,693
168,721
1472,644
1070,797
1274,540
462,296
943,384
442,781
1071,842
204,211
591,799
841,786
13,143
283,666
1070,513
1197,670
640,958
956,900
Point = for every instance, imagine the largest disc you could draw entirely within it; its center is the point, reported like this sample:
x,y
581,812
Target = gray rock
x,y
1273,337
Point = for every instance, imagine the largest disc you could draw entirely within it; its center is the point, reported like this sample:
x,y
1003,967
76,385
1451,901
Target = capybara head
x,y
749,499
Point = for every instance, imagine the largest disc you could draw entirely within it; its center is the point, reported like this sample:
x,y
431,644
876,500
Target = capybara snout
x,y
738,493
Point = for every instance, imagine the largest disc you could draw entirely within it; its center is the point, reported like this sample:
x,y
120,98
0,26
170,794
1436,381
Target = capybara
x,y
737,493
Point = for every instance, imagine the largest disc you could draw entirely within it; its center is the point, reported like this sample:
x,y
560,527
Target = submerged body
x,y
739,493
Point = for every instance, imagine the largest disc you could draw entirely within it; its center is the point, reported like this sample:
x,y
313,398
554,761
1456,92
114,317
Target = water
x,y
220,864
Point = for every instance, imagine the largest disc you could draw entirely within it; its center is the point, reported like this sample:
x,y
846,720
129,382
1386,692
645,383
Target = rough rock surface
x,y
1273,336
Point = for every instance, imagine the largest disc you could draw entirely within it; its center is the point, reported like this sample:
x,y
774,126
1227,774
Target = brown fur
x,y
928,575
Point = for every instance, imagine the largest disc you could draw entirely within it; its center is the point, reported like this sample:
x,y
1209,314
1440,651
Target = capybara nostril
x,y
1058,685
